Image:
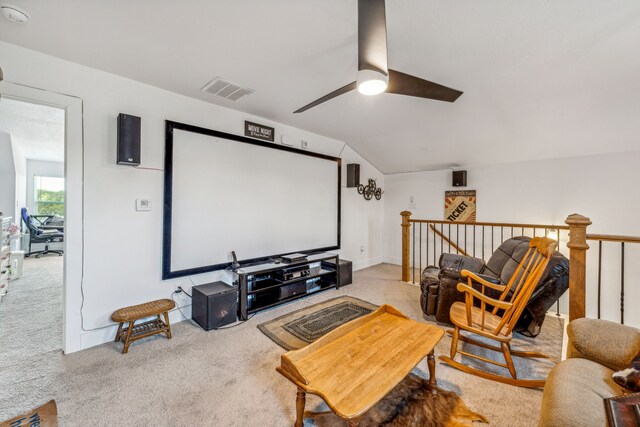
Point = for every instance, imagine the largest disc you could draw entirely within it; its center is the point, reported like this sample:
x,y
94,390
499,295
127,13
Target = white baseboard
x,y
359,265
96,337
392,260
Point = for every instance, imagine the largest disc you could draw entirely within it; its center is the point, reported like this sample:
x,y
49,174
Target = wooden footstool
x,y
136,312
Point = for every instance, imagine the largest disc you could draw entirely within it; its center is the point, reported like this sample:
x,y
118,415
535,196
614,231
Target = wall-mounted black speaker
x,y
353,175
128,140
459,179
214,305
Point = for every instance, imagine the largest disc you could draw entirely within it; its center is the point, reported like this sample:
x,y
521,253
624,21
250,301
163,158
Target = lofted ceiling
x,y
541,79
37,129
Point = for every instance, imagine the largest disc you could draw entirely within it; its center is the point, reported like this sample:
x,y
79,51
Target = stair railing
x,y
424,241
611,241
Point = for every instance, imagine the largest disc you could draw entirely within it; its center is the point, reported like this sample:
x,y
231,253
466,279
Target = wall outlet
x,y
362,248
412,202
143,204
304,144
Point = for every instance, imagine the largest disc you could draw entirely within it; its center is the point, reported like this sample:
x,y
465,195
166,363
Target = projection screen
x,y
226,192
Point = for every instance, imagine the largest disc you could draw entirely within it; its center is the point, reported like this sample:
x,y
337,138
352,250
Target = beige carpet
x,y
217,378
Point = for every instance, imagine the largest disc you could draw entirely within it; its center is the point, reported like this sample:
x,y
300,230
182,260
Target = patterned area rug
x,y
302,327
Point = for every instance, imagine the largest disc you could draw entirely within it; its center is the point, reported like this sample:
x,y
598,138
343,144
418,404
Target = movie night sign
x,y
254,130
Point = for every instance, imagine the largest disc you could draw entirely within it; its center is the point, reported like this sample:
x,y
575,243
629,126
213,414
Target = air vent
x,y
225,89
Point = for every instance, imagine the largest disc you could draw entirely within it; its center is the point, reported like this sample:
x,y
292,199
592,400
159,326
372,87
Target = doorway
x,y
31,301
53,191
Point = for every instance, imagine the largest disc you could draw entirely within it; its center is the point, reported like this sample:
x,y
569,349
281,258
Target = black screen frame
x,y
167,272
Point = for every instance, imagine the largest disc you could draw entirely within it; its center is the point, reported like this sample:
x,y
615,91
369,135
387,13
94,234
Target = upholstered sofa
x,y
438,284
575,389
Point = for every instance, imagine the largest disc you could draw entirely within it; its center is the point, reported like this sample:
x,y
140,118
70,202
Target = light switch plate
x,y
286,140
143,204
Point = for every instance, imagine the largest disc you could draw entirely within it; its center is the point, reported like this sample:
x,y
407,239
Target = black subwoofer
x,y
346,271
214,305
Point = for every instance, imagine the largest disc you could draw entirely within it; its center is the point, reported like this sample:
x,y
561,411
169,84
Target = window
x,y
48,195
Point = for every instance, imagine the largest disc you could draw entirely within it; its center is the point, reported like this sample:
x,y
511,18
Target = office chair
x,y
38,235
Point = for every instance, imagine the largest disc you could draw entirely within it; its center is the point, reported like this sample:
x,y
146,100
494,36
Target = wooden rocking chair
x,y
490,324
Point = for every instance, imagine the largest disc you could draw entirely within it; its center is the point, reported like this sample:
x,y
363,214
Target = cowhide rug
x,y
409,404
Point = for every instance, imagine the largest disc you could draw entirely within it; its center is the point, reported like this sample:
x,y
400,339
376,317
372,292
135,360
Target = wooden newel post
x,y
577,264
406,246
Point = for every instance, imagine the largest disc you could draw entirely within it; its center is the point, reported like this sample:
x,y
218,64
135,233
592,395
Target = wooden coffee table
x,y
354,366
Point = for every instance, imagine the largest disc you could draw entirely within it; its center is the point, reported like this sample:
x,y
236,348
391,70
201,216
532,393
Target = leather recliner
x,y
438,284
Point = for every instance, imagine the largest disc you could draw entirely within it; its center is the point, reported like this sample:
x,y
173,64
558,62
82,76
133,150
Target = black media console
x,y
270,284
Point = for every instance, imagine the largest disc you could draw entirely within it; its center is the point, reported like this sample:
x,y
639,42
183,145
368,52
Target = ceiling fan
x,y
374,77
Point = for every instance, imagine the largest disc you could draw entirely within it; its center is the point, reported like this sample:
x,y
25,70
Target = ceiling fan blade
x,y
372,36
344,89
405,84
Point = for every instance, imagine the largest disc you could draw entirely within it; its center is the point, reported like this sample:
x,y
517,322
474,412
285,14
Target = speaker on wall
x,y
128,140
353,175
459,179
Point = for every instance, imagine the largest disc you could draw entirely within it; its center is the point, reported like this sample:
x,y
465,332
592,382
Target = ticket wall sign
x,y
460,206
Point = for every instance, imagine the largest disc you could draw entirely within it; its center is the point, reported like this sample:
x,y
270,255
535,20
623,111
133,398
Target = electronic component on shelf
x,y
267,285
294,257
292,290
294,272
308,286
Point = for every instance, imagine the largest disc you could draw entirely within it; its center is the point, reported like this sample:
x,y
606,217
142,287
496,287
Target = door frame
x,y
74,203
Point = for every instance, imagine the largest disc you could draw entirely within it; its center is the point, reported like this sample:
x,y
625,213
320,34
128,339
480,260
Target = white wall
x,y
603,188
40,168
123,248
7,176
362,220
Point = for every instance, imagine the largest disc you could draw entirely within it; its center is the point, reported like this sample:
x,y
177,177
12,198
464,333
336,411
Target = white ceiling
x,y
541,79
37,129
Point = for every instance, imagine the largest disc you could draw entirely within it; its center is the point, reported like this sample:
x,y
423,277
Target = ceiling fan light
x,y
371,82
372,87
